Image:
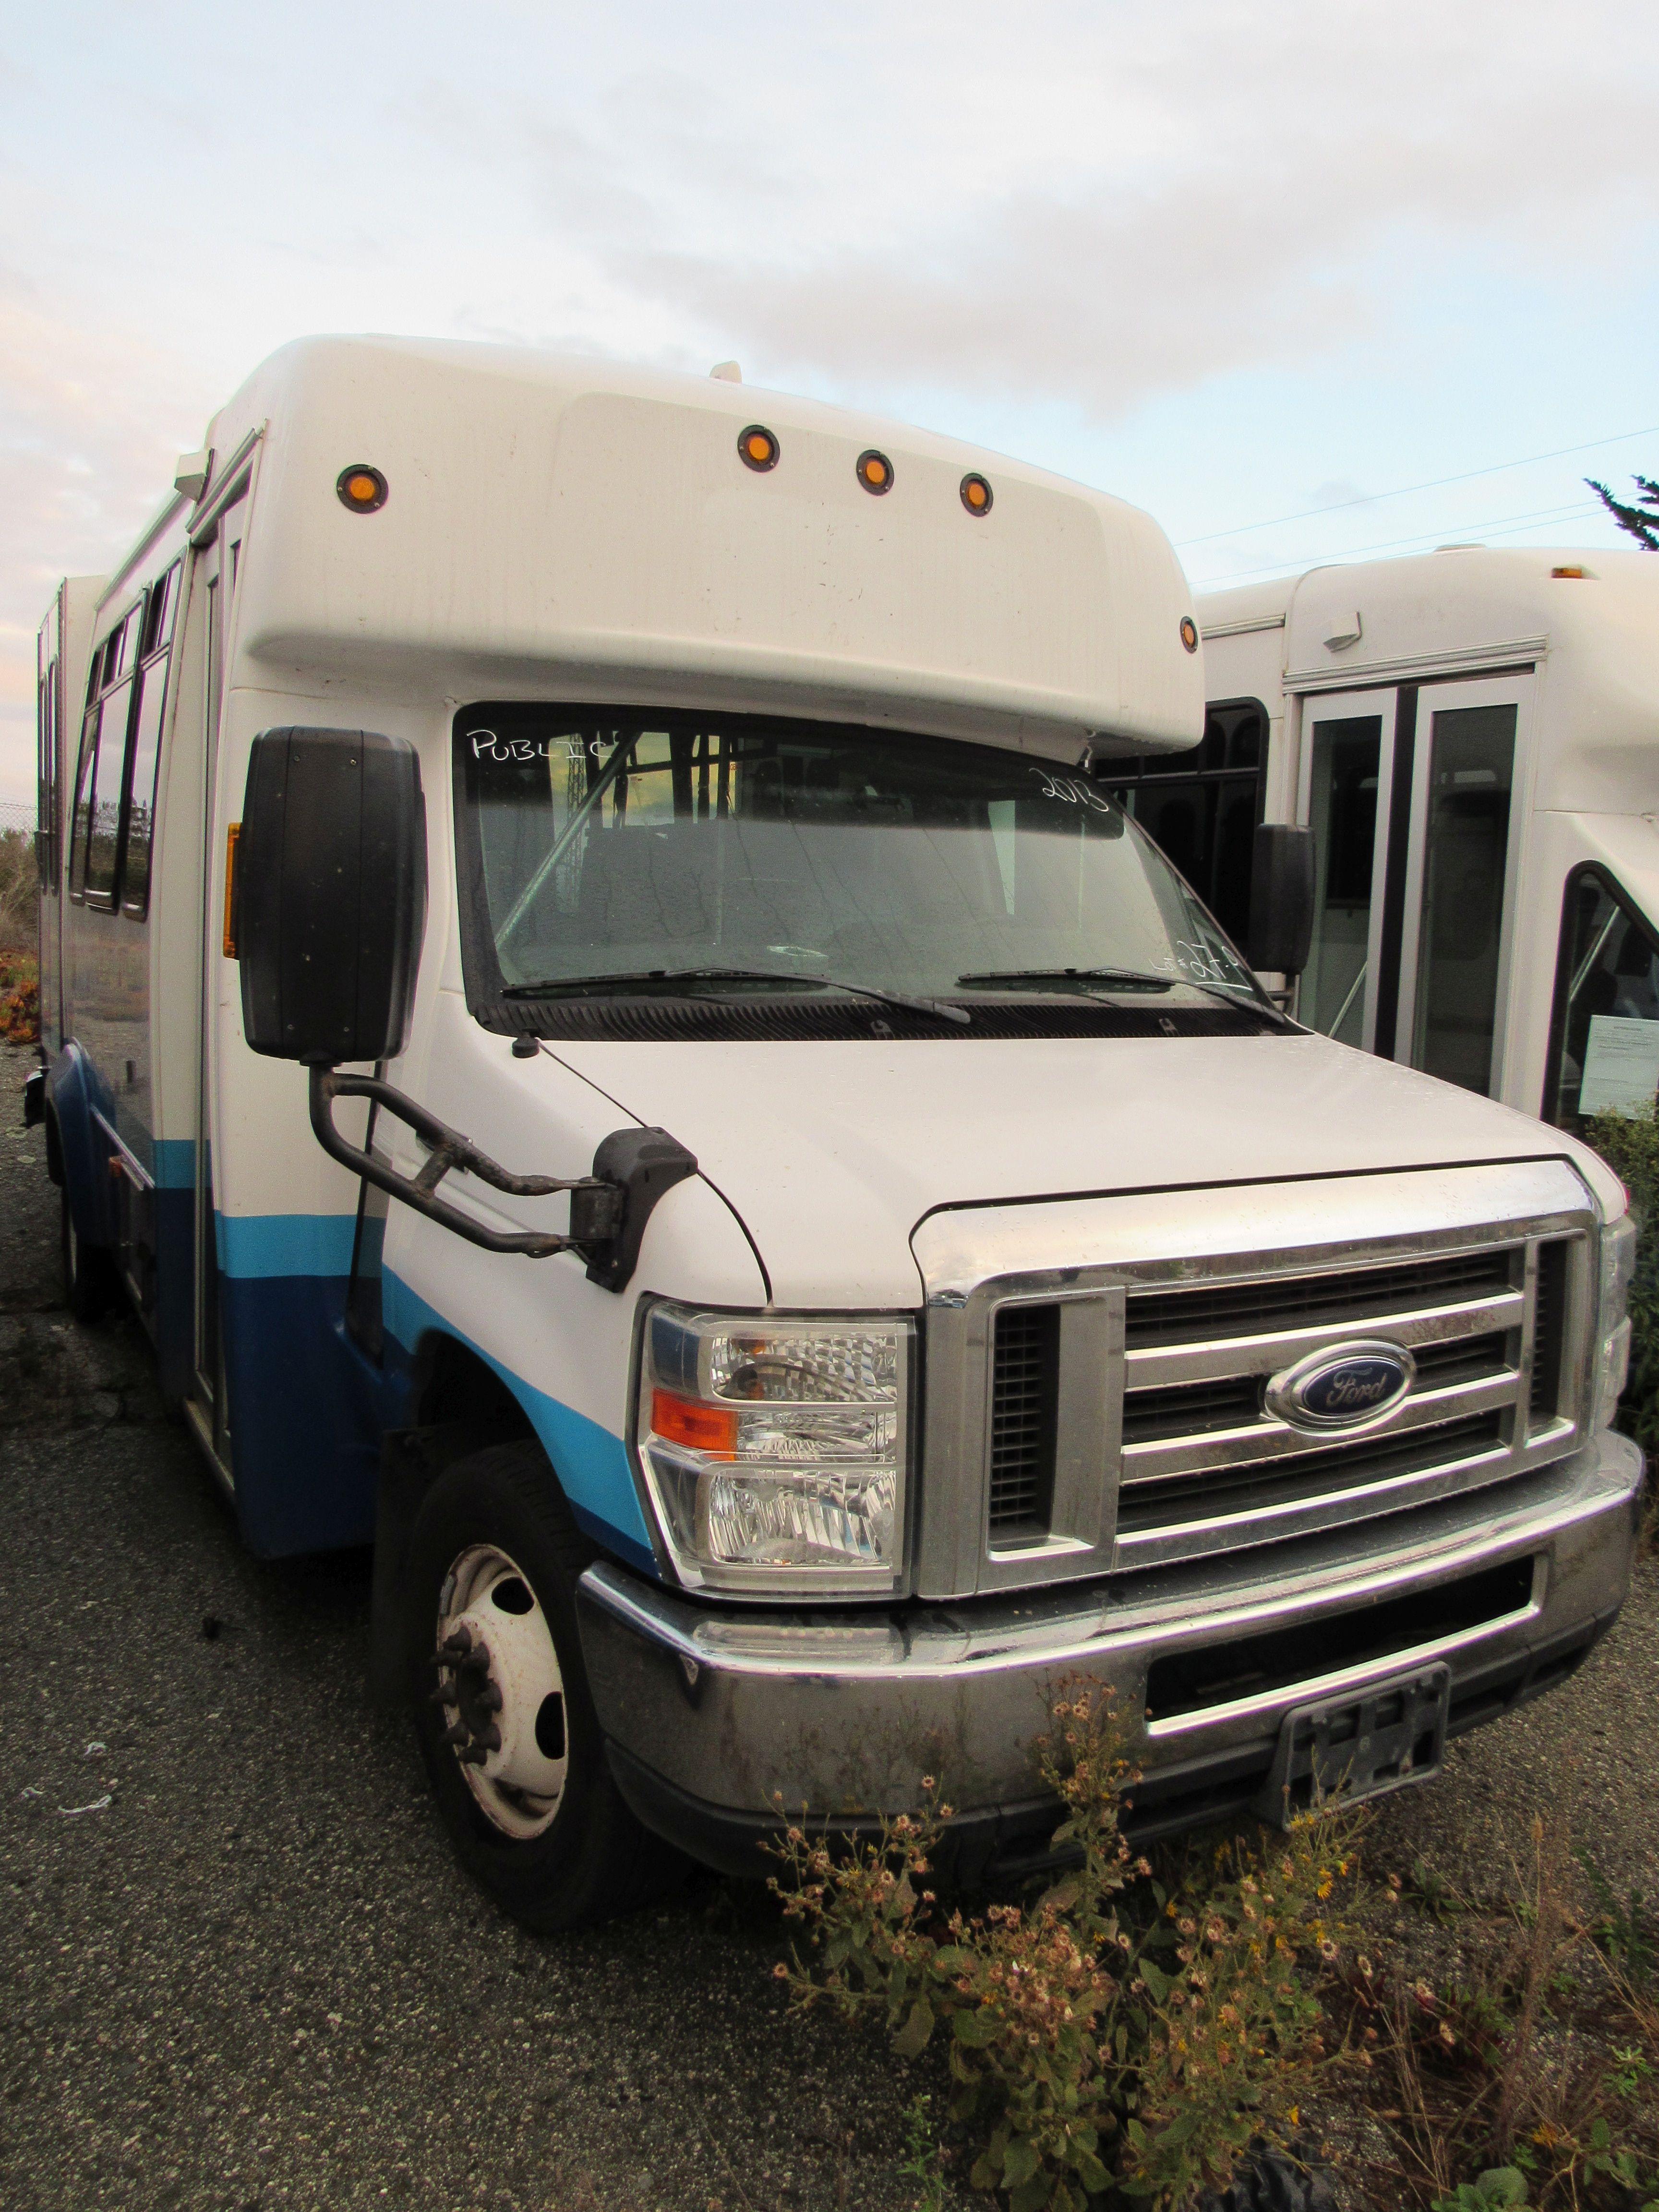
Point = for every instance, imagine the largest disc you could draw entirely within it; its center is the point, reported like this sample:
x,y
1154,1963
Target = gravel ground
x,y
241,1967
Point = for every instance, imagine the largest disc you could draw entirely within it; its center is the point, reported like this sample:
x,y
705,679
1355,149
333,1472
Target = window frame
x,y
1578,873
160,659
1153,771
46,768
109,902
126,651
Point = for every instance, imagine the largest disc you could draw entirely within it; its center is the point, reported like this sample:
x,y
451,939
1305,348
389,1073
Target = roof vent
x,y
1345,631
726,372
190,473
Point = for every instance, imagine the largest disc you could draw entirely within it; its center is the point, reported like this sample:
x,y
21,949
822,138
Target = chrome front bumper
x,y
712,1717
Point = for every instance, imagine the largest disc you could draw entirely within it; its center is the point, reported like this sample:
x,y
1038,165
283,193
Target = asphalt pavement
x,y
240,1966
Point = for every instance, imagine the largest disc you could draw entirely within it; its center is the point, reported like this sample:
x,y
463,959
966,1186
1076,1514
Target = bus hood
x,y
832,1153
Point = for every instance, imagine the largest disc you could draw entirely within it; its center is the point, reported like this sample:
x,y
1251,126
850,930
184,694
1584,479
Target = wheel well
x,y
458,1391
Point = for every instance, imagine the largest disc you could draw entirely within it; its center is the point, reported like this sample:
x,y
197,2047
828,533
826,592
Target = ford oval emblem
x,y
1343,1386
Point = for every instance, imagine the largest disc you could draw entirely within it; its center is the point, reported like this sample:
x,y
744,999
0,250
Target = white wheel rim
x,y
501,1693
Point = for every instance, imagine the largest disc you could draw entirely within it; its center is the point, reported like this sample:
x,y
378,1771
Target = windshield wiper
x,y
645,978
1136,979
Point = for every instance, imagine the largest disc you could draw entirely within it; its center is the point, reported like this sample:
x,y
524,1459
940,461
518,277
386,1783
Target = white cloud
x,y
1066,213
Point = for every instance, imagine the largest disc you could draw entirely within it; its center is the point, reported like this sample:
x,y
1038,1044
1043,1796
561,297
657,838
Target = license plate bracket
x,y
1344,1749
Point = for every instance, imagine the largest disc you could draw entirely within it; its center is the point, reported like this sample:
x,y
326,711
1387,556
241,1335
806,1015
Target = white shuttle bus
x,y
898,1256
1472,737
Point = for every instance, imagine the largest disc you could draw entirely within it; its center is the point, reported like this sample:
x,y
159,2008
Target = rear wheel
x,y
89,1280
506,1722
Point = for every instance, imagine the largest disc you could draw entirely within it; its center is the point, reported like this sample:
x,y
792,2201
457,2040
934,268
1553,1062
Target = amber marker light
x,y
1573,571
362,489
686,1421
976,494
231,836
875,471
1189,633
757,448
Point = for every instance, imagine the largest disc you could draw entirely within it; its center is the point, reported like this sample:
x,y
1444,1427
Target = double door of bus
x,y
1413,794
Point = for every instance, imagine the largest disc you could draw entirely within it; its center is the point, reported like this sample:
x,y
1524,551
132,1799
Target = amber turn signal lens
x,y
976,494
362,489
231,836
686,1421
875,471
757,448
1189,633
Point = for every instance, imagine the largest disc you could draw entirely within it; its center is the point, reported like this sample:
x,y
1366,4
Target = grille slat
x,y
1315,1301
1195,1409
1263,1485
1023,1390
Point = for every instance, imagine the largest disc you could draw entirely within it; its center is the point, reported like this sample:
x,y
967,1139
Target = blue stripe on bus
x,y
592,1462
174,1165
262,1244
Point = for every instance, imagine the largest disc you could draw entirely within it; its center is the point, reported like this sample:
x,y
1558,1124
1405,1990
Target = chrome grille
x,y
1097,1367
1206,1467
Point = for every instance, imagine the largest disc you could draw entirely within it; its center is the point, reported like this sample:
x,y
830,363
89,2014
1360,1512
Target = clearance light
x,y
1189,633
362,489
757,448
875,471
976,494
1567,571
231,836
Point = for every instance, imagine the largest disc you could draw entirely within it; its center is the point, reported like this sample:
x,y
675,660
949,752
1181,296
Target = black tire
x,y
1268,2181
595,1860
90,1283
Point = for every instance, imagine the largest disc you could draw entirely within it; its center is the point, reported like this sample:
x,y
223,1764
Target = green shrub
x,y
1629,1143
1117,2031
20,890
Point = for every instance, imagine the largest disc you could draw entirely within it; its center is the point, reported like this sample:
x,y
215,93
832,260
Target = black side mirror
x,y
1281,899
330,894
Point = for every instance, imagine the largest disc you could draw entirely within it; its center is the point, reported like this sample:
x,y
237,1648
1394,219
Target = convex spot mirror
x,y
1281,899
329,894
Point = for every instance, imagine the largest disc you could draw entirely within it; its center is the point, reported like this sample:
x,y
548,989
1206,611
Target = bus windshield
x,y
618,850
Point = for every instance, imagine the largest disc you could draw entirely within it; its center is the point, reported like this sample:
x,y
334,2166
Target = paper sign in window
x,y
1621,1066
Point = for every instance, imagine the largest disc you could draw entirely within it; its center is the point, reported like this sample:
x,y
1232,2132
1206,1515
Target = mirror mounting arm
x,y
608,1209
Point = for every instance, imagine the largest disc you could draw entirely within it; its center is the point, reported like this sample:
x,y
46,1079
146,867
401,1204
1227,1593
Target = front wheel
x,y
505,1719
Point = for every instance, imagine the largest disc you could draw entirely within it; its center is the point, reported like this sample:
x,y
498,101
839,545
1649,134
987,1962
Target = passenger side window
x,y
1202,806
113,819
104,805
1604,1031
45,812
81,819
141,790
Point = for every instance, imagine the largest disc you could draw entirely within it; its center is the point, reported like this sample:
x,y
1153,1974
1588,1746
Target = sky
x,y
1306,278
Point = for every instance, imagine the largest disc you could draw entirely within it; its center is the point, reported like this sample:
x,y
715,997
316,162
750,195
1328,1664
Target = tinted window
x,y
1201,807
102,845
141,790
162,608
81,823
624,845
1604,1043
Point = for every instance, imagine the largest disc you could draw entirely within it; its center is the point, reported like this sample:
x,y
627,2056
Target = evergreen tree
x,y
1641,520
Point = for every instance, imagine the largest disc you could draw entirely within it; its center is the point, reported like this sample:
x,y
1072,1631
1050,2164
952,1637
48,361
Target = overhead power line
x,y
1434,484
1501,527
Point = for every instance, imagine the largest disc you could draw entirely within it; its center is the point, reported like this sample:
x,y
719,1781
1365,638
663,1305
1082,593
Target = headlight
x,y
1611,1322
775,1448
